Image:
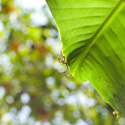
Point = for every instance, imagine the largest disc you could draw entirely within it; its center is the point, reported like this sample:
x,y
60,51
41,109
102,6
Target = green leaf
x,y
93,41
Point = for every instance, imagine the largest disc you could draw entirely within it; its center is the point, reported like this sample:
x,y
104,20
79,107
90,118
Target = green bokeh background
x,y
33,90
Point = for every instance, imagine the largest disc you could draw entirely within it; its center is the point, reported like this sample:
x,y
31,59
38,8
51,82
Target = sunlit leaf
x,y
93,41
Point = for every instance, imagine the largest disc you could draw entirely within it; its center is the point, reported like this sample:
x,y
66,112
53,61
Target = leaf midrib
x,y
108,20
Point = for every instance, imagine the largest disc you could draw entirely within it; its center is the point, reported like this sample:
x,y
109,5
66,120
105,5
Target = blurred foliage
x,y
32,89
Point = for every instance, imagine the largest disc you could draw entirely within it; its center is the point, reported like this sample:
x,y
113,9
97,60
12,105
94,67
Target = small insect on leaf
x,y
63,61
115,114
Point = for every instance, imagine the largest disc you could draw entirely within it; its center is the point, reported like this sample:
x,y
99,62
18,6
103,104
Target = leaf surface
x,y
93,41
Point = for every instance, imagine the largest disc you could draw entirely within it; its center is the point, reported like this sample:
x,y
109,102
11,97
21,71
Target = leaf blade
x,y
90,49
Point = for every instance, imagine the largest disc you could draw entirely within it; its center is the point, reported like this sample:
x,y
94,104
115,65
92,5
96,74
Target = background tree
x,y
32,89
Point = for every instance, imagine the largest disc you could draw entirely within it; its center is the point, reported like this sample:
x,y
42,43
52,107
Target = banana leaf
x,y
92,34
